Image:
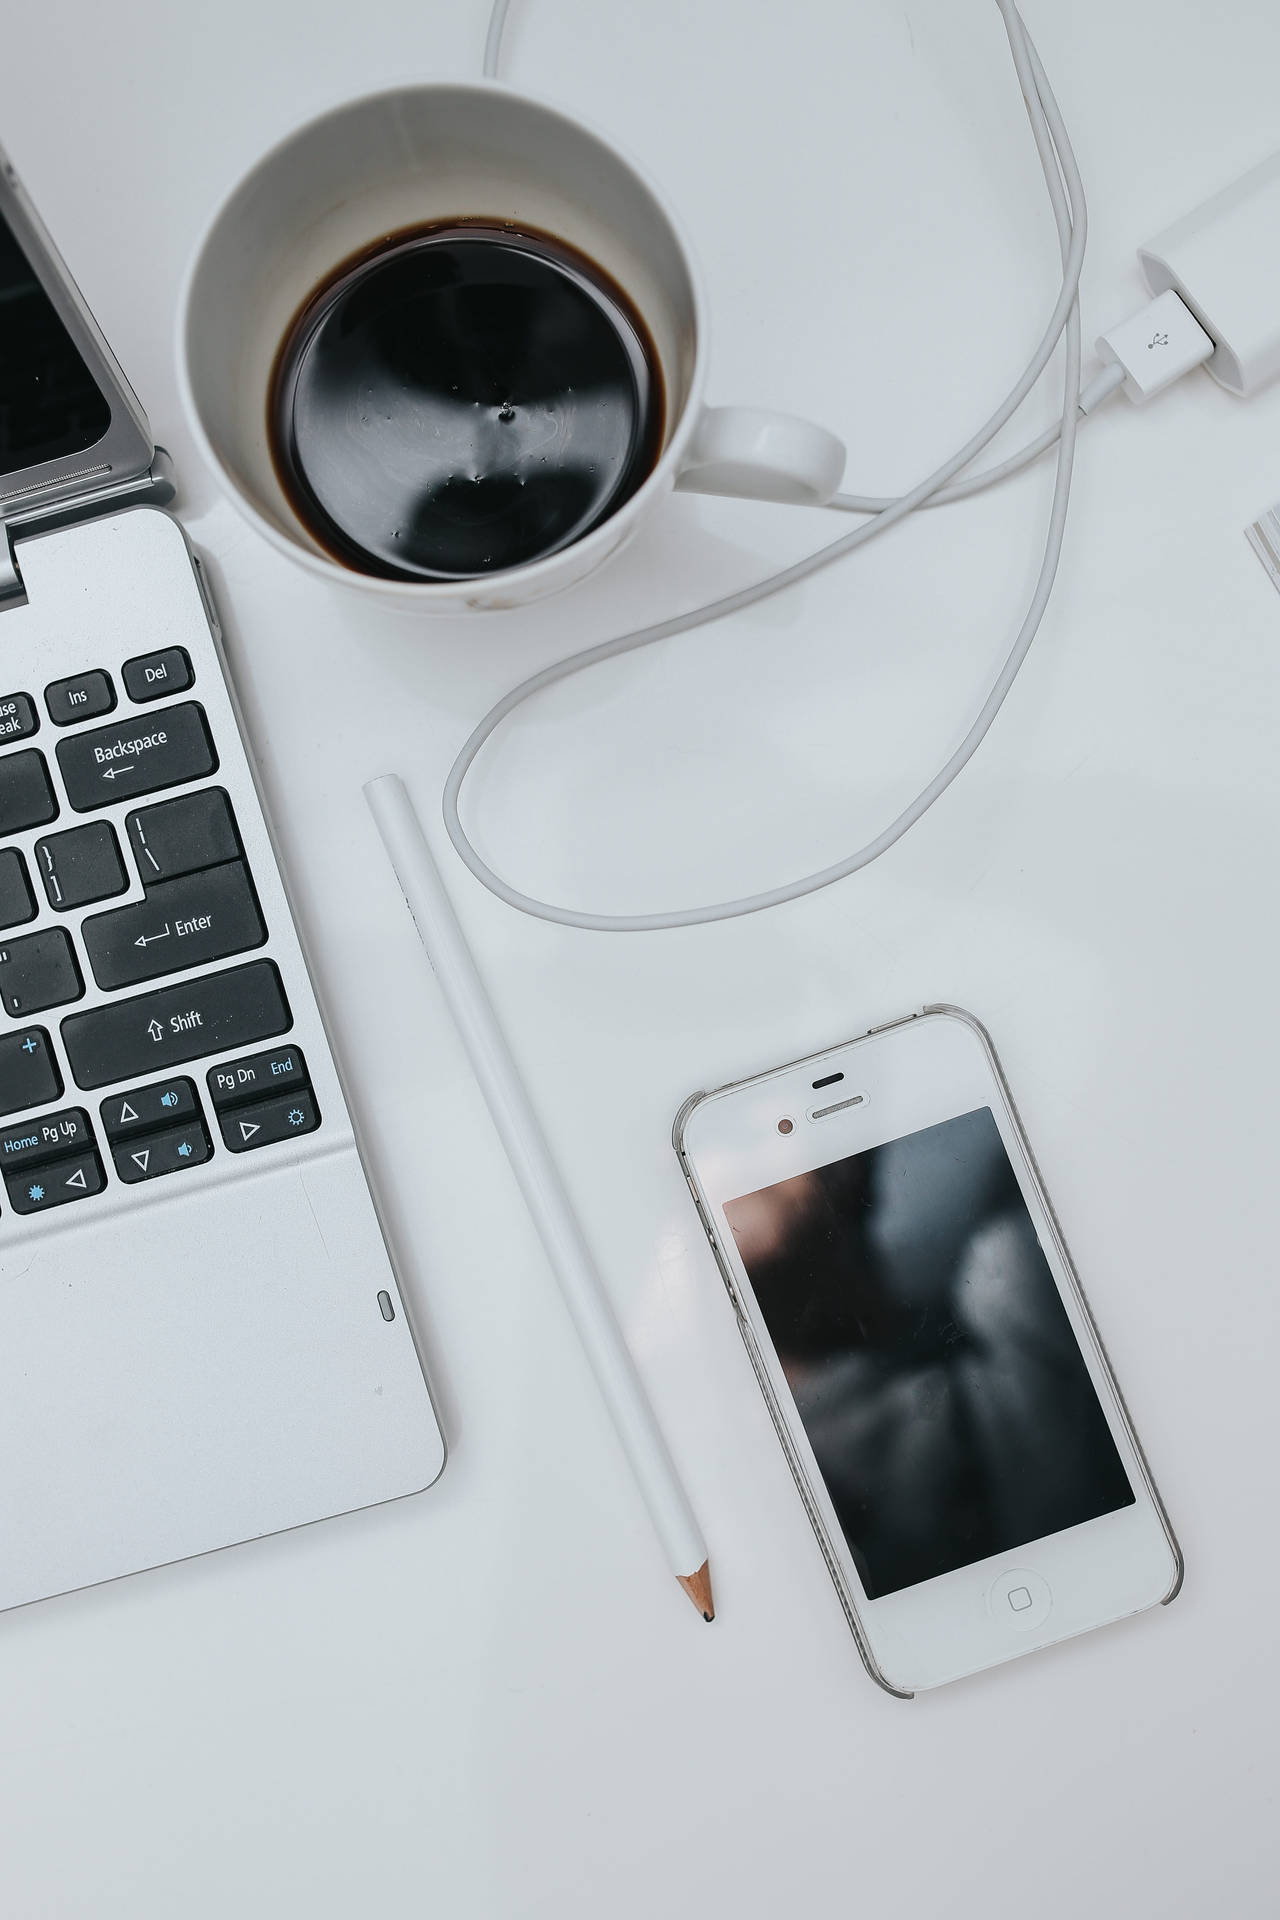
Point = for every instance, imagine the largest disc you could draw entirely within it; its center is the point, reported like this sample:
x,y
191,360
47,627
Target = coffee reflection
x,y
461,399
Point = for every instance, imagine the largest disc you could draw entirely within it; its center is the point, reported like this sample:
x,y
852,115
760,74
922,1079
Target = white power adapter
x,y
1215,275
1223,263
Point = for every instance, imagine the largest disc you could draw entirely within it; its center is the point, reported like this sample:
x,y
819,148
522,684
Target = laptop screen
x,y
50,406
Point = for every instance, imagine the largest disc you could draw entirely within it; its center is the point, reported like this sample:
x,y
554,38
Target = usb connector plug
x,y
1156,346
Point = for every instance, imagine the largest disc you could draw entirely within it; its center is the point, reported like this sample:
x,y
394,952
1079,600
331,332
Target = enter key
x,y
181,923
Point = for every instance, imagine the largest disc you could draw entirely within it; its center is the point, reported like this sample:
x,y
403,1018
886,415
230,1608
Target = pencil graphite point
x,y
698,1587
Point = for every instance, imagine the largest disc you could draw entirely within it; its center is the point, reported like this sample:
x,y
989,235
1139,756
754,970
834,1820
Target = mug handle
x,y
752,453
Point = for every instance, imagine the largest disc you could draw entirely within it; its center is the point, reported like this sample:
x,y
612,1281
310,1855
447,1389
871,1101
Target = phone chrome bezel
x,y
728,1145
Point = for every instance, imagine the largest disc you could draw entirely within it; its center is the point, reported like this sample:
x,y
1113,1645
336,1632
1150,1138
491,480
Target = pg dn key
x,y
263,1099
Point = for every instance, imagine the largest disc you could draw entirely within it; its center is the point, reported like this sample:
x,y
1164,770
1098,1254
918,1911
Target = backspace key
x,y
160,748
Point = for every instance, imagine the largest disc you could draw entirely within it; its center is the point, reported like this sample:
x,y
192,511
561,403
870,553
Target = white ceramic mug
x,y
399,159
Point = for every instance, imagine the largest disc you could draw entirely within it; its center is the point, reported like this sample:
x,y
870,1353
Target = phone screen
x,y
49,404
929,1353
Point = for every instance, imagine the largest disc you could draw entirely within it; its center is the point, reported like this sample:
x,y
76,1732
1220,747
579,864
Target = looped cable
x,y
1066,198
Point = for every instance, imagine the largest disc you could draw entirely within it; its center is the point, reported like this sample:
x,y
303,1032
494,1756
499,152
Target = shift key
x,y
160,748
153,1031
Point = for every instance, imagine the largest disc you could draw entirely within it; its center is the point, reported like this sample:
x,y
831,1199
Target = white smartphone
x,y
925,1350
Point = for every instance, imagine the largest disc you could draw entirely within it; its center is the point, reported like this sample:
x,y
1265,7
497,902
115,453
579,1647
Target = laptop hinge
x,y
12,592
151,489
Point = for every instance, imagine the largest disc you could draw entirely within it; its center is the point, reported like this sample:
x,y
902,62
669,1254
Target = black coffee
x,y
460,399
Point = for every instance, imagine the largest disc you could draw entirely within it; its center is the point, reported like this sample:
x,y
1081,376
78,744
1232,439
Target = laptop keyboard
x,y
199,905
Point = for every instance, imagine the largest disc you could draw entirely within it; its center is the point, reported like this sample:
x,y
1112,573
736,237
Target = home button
x,y
1020,1600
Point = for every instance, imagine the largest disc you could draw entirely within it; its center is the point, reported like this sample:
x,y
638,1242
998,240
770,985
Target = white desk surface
x,y
493,1700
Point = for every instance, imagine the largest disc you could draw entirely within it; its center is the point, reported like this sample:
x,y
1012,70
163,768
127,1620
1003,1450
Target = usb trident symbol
x,y
1157,340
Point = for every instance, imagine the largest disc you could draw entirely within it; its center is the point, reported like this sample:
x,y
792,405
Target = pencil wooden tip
x,y
698,1587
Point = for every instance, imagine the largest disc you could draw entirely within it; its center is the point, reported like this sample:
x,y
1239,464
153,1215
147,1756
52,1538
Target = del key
x,y
157,749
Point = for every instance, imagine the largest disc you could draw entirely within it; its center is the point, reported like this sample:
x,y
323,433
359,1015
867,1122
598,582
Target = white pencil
x,y
544,1192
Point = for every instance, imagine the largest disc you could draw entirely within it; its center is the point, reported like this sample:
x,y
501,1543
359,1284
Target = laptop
x,y
202,1339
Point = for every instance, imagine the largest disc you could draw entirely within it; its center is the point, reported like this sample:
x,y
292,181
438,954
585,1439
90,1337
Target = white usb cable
x,y
1136,357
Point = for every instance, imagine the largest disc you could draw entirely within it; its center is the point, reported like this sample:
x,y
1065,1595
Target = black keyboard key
x,y
181,923
256,1074
38,970
18,716
17,902
151,675
267,1122
26,797
180,836
83,697
26,1142
157,1030
38,1188
81,865
160,749
29,1075
156,1153
143,1109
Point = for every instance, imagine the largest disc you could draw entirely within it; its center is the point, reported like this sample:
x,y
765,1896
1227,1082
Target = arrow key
x,y
164,1104
267,1122
36,1189
159,1153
